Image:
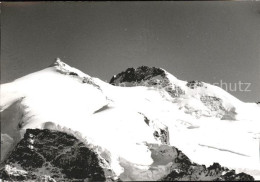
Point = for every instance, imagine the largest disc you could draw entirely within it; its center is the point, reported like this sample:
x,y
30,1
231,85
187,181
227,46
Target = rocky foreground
x,y
45,155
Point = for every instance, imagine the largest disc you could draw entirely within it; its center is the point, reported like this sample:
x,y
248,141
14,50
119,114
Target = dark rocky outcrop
x,y
160,131
213,103
149,77
216,107
91,82
184,170
137,75
171,164
58,155
9,173
194,84
74,74
162,135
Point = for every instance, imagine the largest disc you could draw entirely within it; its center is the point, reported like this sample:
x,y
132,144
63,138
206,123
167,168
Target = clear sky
x,y
208,41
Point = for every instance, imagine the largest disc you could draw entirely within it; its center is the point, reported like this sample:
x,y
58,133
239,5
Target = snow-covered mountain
x,y
129,125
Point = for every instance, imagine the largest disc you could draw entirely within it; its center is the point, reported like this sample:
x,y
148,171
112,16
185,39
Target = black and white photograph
x,y
130,91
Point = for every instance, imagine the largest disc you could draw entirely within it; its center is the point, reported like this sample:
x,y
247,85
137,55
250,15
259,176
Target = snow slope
x,y
208,124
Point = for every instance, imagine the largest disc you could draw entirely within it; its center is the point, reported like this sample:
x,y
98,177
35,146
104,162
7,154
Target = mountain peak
x,y
66,69
59,63
138,74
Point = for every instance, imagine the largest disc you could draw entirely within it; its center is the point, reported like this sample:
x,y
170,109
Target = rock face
x,y
57,155
182,169
146,76
137,75
215,105
160,131
194,84
15,174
